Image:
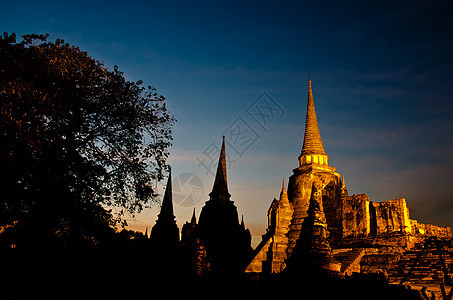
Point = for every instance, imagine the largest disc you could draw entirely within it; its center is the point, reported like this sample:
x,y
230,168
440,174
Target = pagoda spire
x,y
312,149
166,211
165,232
227,244
312,138
343,189
194,218
283,193
220,188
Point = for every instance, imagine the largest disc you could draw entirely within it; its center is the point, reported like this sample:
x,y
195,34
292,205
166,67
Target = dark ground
x,y
127,274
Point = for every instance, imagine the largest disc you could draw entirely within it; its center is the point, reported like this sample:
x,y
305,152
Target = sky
x,y
381,71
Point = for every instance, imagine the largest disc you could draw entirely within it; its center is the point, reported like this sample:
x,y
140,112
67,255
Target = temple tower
x,y
227,242
316,213
165,232
313,167
285,216
312,149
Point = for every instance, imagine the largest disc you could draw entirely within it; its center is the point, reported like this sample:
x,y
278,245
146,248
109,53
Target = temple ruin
x,y
359,231
315,228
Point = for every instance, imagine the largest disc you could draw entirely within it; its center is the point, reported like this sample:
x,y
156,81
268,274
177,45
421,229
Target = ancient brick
x,y
355,216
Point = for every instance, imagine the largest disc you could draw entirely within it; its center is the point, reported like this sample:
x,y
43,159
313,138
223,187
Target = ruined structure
x,y
315,227
312,254
352,223
275,240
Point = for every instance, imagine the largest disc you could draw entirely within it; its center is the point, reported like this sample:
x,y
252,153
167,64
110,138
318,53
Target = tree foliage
x,y
75,139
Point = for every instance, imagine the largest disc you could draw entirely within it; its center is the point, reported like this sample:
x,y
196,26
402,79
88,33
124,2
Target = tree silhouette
x,y
80,146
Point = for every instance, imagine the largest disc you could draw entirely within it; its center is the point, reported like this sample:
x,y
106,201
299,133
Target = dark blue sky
x,y
381,72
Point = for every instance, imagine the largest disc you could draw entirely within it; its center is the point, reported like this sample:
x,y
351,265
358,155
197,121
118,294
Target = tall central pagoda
x,y
285,220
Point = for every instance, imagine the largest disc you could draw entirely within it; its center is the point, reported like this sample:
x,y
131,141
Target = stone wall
x,y
331,201
362,217
390,216
419,229
355,216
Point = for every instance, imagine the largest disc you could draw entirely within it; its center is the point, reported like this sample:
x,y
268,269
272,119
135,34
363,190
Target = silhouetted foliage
x,y
75,139
129,235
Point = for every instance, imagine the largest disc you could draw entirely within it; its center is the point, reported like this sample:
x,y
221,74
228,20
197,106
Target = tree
x,y
80,146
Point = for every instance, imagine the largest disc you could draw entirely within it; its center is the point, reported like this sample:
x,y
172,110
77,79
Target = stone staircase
x,y
427,263
349,258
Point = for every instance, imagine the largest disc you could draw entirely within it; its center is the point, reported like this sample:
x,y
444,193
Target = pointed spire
x,y
165,232
312,137
242,222
220,188
343,189
283,193
166,211
146,232
194,218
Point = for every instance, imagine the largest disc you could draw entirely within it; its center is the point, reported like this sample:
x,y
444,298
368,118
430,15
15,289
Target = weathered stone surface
x,y
389,216
260,256
355,216
312,253
423,230
270,255
332,204
428,264
312,138
379,260
349,258
299,191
